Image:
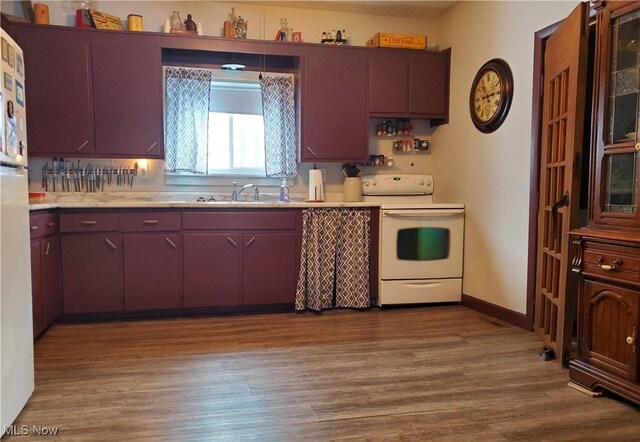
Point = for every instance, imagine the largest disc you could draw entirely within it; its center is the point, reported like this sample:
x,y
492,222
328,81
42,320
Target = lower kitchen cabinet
x,y
92,272
269,270
212,269
46,278
152,271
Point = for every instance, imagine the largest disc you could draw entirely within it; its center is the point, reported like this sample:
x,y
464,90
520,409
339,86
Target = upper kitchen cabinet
x,y
334,109
91,93
409,84
59,107
127,96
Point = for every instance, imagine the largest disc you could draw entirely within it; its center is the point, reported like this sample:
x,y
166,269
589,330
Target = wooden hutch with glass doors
x,y
606,253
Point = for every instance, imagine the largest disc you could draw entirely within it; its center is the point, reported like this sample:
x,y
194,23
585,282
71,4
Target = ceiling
x,y
413,9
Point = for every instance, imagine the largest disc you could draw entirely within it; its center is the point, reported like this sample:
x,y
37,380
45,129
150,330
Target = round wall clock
x,y
491,95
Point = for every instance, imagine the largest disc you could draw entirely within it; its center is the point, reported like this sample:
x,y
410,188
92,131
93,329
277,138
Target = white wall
x,y
490,172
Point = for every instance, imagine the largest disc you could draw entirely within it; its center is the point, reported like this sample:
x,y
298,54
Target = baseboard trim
x,y
504,314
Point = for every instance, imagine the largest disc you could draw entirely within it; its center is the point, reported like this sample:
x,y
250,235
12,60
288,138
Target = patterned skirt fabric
x,y
334,269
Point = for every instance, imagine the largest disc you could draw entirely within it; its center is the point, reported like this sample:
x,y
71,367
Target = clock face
x,y
491,95
487,97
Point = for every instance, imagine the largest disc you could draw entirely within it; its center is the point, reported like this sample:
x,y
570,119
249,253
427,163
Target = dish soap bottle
x,y
284,191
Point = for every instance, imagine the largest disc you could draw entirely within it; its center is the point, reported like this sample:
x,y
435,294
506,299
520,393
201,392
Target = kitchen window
x,y
215,127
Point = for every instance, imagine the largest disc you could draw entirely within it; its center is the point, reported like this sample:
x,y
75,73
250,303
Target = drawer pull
x,y
88,223
46,251
150,222
609,267
110,244
51,225
152,146
249,242
233,243
171,243
34,228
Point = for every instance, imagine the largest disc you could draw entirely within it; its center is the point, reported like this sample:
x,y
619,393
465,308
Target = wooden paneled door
x,y
565,66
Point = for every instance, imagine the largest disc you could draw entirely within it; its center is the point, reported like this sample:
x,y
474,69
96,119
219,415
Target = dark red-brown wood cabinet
x,y
46,282
334,113
406,84
606,253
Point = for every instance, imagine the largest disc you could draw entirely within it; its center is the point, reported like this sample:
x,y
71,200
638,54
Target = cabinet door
x,y
152,271
212,269
269,270
610,328
429,74
51,279
92,273
388,83
335,107
127,91
36,289
59,110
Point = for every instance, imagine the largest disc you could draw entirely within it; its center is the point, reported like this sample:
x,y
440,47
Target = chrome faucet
x,y
235,193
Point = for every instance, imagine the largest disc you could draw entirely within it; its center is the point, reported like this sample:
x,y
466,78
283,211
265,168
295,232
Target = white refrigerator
x,y
16,330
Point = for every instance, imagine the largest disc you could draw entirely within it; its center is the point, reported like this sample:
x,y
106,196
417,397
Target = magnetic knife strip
x,y
72,176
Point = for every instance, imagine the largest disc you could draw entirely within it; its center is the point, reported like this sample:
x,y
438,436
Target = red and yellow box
x,y
404,41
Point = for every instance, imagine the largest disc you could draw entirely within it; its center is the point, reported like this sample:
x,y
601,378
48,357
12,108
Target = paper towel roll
x,y
316,187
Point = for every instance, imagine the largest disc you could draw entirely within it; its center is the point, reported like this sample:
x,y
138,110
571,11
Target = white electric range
x,y
421,243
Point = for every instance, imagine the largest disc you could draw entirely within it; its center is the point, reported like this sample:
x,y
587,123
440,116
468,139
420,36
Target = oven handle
x,y
423,213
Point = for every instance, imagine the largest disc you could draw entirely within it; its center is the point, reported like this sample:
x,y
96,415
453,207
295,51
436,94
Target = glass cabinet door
x,y
624,82
621,150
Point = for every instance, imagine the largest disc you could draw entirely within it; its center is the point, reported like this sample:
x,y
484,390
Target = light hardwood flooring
x,y
434,373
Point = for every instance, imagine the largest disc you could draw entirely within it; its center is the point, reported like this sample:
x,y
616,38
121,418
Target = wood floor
x,y
435,373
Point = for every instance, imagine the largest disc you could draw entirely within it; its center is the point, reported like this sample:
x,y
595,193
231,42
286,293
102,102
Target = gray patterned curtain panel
x,y
334,268
278,110
187,120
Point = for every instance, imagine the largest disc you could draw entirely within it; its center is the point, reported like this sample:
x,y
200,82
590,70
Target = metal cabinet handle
x,y
88,223
249,242
171,243
46,251
155,143
51,225
233,243
82,146
614,265
34,228
150,222
312,151
110,244
562,202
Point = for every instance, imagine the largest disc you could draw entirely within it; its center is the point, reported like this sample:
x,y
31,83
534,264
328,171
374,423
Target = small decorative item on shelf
x,y
406,41
83,15
237,27
390,128
407,145
296,37
335,37
190,25
102,20
134,22
379,161
41,13
175,21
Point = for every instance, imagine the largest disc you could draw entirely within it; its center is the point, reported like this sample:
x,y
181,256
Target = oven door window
x,y
423,243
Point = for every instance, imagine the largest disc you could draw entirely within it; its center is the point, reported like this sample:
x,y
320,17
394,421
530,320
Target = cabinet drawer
x,y
228,220
612,261
149,221
43,224
88,222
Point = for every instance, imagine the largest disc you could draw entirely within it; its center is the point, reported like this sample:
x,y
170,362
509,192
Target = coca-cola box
x,y
405,41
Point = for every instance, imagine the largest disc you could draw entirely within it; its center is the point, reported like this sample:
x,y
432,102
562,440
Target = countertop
x,y
133,200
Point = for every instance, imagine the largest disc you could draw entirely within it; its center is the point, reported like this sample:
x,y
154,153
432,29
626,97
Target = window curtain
x,y
187,120
278,110
334,267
